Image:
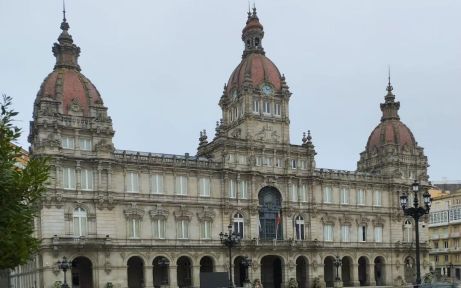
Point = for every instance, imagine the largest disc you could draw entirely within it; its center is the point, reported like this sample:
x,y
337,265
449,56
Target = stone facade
x,y
137,219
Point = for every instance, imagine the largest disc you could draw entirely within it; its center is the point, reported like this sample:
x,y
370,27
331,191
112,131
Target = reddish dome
x,y
72,89
259,68
391,132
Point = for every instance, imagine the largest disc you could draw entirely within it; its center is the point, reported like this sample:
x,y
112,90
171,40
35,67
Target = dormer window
x,y
256,41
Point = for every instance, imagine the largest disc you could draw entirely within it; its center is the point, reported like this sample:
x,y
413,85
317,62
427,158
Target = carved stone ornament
x,y
134,212
182,213
107,267
159,212
346,219
236,133
103,146
254,209
206,214
328,219
378,221
267,134
75,105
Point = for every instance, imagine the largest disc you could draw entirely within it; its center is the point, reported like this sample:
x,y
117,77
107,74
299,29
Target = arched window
x,y
270,216
299,227
238,224
80,222
407,231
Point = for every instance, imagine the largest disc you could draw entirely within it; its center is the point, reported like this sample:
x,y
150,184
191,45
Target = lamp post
x,y
416,212
337,262
246,262
64,265
230,240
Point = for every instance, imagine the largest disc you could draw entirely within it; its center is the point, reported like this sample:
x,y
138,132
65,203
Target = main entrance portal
x,y
271,271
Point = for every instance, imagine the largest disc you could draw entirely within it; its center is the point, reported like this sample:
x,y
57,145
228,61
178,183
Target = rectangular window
x,y
360,197
445,244
68,178
268,161
294,192
303,193
344,196
159,228
204,187
259,161
134,228
277,109
345,229
266,107
328,232
362,233
183,229
181,185
157,184
303,164
86,179
242,160
232,189
278,162
238,226
378,200
67,142
85,144
243,189
294,164
379,234
206,229
327,195
80,225
132,182
436,258
255,106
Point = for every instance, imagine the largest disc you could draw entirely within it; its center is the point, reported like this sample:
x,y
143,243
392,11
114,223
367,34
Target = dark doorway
x,y
329,271
160,271
135,272
380,271
346,271
239,271
206,264
82,273
302,272
184,271
271,271
270,216
363,271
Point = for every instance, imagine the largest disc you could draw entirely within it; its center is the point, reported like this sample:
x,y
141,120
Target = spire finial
x,y
389,86
64,10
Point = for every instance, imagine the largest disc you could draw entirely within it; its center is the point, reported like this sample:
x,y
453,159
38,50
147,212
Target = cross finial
x,y
64,10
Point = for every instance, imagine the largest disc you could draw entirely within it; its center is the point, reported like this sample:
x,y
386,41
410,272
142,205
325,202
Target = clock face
x,y
266,89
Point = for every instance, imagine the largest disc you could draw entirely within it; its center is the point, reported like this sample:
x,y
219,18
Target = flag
x,y
277,222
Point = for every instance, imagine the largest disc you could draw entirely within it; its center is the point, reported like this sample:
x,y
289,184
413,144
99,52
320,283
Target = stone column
x,y
355,275
196,275
148,276
371,275
255,272
173,276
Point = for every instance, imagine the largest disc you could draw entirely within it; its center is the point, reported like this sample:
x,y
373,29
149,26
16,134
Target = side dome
x,y
391,132
66,84
72,89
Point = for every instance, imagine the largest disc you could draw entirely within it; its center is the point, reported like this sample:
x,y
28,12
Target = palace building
x,y
146,219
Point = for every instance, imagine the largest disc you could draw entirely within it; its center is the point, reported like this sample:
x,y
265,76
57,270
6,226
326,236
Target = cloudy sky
x,y
161,66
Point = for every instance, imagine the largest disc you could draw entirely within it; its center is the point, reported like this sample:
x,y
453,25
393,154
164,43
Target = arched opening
x,y
239,271
346,271
410,270
380,271
270,201
329,271
363,271
407,231
302,274
160,268
135,272
184,272
206,264
271,271
82,273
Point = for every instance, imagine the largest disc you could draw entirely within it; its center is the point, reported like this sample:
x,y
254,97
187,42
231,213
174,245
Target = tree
x,y
20,193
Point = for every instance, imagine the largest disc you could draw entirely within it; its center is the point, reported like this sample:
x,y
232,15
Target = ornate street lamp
x,y
230,240
416,212
246,262
64,265
337,262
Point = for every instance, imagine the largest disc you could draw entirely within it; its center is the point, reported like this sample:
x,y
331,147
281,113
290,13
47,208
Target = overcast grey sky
x,y
161,66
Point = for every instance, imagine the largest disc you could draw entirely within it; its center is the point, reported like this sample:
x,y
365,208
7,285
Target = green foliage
x,y
20,192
